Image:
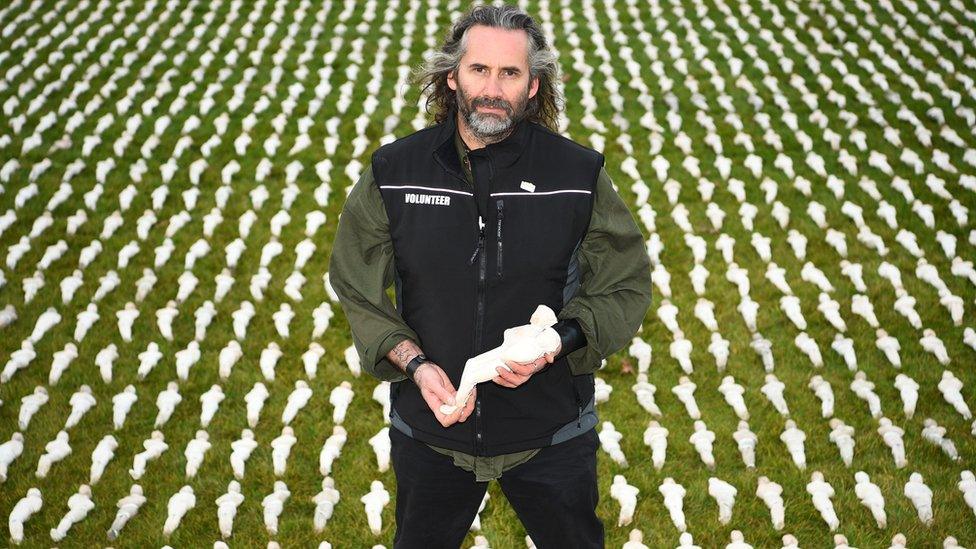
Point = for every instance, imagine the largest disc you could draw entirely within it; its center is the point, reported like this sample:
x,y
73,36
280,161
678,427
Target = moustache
x,y
492,103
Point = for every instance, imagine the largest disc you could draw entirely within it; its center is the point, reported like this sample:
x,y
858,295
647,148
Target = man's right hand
x,y
436,388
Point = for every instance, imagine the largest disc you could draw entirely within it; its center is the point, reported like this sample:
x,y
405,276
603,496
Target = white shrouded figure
x,y
601,390
374,501
967,485
645,391
525,343
240,452
626,496
339,398
102,454
680,349
311,358
79,504
724,494
844,346
773,389
148,360
325,502
931,343
892,435
210,403
899,541
228,357
60,362
296,401
737,540
764,348
273,505
121,404
254,401
686,541
733,392
166,402
685,391
281,449
128,507
153,447
177,507
771,493
870,496
921,497
703,439
951,388
793,437
822,390
842,435
610,442
641,351
476,523
353,361
863,388
195,451
186,359
331,449
30,404
381,394
934,433
21,513
656,438
746,440
890,346
635,540
821,493
719,347
10,451
674,494
227,504
381,447
908,389
80,402
54,451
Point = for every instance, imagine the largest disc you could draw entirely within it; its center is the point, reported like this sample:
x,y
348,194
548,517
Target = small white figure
x,y
610,442
153,447
746,441
724,494
10,451
121,404
227,505
79,504
844,346
296,401
935,434
241,451
325,501
54,451
177,506
281,449
864,389
254,400
719,348
842,435
656,438
273,505
645,391
821,492
30,404
685,391
374,501
195,451
339,398
210,403
908,389
381,394
793,437
674,495
381,447
128,507
626,496
822,390
166,402
921,497
21,513
80,402
870,496
771,493
476,523
773,390
892,436
702,439
331,449
951,388
733,392
101,456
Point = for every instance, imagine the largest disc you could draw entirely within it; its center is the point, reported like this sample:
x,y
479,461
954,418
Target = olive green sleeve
x,y
360,271
615,280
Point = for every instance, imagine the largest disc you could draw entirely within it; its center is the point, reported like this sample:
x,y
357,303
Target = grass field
x,y
346,60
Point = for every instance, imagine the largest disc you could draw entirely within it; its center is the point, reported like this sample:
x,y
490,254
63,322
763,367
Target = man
x,y
476,221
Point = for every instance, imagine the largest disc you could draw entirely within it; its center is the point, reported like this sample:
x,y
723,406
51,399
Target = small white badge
x,y
527,186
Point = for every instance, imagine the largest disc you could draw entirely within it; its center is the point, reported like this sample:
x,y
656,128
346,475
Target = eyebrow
x,y
477,65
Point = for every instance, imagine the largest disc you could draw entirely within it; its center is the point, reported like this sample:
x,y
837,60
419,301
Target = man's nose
x,y
493,87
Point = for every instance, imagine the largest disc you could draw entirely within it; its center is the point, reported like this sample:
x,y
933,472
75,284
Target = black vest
x,y
461,279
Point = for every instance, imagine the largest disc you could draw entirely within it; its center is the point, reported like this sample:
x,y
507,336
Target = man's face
x,y
492,82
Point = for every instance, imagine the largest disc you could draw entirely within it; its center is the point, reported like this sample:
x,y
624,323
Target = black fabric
x,y
519,259
571,336
554,494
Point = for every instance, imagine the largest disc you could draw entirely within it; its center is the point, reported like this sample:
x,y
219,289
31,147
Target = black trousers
x,y
554,494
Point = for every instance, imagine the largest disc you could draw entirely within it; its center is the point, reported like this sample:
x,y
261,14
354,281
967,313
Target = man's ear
x,y
533,87
451,82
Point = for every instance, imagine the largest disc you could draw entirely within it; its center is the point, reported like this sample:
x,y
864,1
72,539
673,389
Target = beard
x,y
491,127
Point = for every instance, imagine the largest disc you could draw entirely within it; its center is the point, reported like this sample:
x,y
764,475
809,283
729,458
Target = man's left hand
x,y
522,371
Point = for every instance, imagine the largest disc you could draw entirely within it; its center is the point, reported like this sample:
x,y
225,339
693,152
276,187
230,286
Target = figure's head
x,y
496,69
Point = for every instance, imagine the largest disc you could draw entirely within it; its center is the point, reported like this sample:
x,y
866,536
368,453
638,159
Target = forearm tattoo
x,y
400,355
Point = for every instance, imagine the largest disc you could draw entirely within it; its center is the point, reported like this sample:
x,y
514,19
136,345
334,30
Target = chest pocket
x,y
431,229
537,233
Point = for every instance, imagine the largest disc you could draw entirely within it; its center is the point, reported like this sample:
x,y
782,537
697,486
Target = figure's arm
x,y
360,271
615,286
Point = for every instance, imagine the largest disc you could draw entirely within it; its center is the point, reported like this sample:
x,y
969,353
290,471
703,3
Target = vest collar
x,y
503,153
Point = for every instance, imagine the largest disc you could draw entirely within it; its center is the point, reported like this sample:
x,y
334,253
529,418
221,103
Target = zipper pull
x,y
481,240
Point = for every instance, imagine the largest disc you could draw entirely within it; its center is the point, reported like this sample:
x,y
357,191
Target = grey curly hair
x,y
543,108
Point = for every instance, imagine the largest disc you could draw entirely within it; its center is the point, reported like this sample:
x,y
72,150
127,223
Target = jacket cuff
x,y
382,368
586,359
571,336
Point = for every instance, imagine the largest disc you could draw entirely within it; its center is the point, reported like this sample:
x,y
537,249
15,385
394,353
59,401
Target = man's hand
x,y
436,388
522,371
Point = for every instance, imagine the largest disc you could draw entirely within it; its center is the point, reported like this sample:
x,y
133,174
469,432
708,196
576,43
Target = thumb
x,y
442,393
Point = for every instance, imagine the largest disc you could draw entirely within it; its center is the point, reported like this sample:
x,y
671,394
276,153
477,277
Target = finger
x,y
524,369
469,407
442,393
503,383
512,377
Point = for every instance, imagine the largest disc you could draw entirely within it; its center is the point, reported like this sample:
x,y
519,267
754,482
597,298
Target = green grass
x,y
355,469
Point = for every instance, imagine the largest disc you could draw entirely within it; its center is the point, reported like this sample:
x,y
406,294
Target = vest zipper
x,y
498,232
